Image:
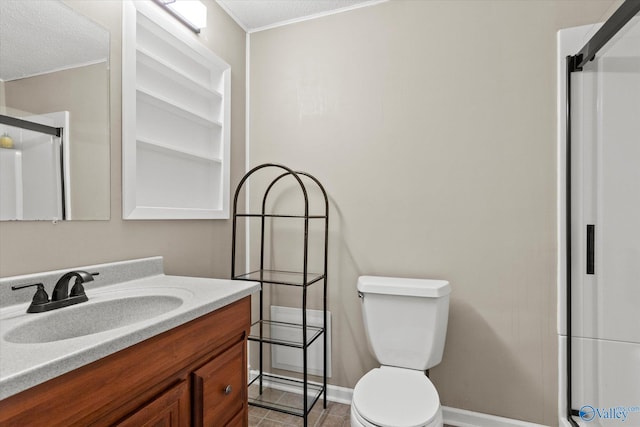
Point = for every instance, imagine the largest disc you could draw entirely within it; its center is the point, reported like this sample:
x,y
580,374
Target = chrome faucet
x,y
61,297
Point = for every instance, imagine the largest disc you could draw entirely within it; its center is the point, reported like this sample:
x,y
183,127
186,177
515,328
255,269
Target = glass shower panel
x,y
31,175
607,301
618,187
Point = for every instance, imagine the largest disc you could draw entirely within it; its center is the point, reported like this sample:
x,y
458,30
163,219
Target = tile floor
x,y
335,415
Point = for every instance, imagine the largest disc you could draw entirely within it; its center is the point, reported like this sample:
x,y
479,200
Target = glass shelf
x,y
271,215
283,394
279,277
272,331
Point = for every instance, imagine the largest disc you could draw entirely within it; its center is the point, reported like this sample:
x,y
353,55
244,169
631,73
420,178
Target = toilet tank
x,y
405,319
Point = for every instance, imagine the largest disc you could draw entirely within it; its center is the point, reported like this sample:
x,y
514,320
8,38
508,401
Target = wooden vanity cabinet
x,y
192,375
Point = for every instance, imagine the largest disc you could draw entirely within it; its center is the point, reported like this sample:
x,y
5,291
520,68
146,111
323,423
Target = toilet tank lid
x,y
401,286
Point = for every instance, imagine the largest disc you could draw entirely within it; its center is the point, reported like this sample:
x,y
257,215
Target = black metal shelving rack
x,y
310,392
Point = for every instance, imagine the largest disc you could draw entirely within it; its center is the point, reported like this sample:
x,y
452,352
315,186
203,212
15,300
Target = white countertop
x,y
25,365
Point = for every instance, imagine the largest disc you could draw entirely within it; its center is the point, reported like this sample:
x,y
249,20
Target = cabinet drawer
x,y
220,389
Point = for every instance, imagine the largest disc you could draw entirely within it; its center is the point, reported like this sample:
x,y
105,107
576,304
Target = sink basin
x,y
91,318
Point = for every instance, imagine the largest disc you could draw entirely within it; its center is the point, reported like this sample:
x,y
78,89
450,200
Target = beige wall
x,y
3,104
194,248
432,126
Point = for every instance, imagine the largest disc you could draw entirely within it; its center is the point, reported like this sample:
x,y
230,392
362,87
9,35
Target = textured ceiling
x,y
253,15
38,36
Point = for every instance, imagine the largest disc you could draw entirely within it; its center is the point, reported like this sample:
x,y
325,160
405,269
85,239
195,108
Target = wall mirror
x,y
54,113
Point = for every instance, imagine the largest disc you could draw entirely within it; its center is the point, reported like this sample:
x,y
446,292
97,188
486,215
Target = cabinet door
x,y
240,420
220,390
170,409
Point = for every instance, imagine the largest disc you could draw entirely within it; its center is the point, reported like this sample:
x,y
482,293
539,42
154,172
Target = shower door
x,y
605,234
32,171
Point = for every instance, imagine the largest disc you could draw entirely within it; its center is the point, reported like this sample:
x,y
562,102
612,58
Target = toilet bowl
x,y
395,397
406,322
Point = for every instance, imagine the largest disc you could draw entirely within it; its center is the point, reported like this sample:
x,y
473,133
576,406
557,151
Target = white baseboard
x,y
463,418
334,393
452,416
339,394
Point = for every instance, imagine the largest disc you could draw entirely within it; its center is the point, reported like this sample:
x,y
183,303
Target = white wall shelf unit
x,y
175,120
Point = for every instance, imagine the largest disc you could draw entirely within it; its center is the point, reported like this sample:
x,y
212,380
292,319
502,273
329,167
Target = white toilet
x,y
406,324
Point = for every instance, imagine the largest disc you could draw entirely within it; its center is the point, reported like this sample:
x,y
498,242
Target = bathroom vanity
x,y
184,367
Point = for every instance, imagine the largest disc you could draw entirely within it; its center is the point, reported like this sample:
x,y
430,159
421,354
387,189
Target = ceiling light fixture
x,y
192,13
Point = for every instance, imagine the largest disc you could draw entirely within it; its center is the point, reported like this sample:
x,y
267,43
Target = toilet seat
x,y
396,397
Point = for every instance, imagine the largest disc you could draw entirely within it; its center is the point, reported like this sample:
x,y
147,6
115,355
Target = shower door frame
x,y
575,63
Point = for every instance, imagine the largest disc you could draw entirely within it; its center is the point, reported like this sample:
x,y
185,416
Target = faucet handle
x,y
40,297
77,288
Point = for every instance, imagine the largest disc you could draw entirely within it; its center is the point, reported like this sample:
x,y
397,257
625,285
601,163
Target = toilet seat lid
x,y
396,397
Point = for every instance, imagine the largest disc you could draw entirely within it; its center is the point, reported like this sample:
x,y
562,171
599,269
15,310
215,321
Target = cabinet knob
x,y
227,390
